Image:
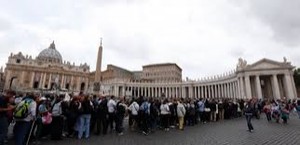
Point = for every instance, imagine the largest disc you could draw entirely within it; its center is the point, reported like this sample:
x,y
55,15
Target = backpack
x,y
87,107
120,108
22,109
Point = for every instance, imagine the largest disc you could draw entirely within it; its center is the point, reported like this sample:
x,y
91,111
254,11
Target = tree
x,y
297,77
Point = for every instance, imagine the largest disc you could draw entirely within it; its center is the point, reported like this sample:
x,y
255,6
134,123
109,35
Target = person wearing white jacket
x,y
134,108
165,112
180,113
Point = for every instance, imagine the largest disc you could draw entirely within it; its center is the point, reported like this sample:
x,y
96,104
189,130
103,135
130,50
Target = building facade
x,y
47,71
164,72
264,79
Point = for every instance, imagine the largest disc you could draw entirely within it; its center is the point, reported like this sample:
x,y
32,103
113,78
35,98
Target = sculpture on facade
x,y
52,45
284,60
242,63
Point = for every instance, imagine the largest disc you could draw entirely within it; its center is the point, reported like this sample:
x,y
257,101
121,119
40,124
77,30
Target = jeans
x,y
21,129
248,118
84,125
3,129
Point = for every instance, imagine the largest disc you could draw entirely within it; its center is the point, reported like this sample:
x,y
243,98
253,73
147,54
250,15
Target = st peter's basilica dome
x,y
50,55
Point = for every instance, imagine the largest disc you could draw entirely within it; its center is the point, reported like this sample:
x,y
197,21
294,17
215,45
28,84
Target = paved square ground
x,y
228,132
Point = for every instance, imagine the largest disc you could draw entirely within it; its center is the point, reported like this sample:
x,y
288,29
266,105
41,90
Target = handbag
x,y
47,119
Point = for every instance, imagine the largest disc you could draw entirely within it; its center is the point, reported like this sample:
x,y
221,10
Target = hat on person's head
x,y
43,99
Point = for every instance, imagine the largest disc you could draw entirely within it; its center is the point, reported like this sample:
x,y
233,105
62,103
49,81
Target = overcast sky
x,y
204,37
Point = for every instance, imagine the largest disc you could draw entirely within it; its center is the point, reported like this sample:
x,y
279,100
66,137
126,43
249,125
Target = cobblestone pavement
x,y
228,132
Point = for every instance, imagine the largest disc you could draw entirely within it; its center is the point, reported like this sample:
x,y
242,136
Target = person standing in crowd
x,y
25,121
285,113
201,109
111,105
85,117
145,116
102,116
134,109
275,111
180,113
213,109
267,110
207,110
73,115
298,108
120,114
57,118
173,115
221,110
249,112
5,107
165,112
43,111
154,114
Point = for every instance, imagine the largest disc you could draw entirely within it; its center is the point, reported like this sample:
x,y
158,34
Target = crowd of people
x,y
35,117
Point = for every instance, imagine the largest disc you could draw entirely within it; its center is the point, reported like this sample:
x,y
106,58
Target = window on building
x,y
18,60
35,85
67,86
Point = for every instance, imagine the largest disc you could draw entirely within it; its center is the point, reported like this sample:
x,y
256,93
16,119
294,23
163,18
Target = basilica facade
x,y
47,71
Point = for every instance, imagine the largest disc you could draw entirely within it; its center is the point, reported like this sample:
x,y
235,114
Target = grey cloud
x,y
282,16
237,52
5,25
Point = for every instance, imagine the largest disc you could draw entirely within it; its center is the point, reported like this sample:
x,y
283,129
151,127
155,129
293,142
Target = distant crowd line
x,y
34,117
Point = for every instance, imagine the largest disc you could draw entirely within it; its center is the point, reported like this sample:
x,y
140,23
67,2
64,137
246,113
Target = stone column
x,y
41,80
222,91
276,92
219,90
71,84
225,90
212,91
288,87
196,91
44,80
258,87
62,81
49,82
230,90
190,91
242,91
209,91
248,87
239,89
32,80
